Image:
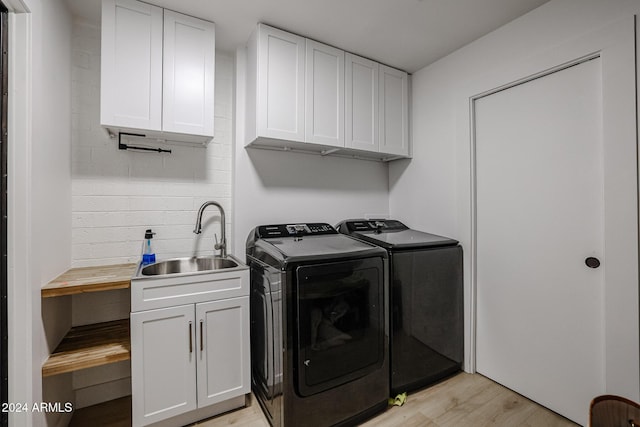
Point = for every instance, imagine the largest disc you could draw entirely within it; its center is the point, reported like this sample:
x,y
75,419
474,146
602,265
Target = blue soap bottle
x,y
148,254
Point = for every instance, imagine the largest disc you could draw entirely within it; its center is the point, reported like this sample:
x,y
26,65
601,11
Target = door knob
x,y
592,262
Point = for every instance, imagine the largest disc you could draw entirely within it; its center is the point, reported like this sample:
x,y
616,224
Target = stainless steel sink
x,y
188,265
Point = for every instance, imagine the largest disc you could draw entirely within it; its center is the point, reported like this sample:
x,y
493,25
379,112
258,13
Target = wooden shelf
x,y
114,413
90,345
90,279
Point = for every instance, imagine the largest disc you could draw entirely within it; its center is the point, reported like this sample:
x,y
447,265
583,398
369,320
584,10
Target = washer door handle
x,y
592,262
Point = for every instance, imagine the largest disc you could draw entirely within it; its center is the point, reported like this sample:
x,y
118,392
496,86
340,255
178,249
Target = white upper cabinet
x,y
276,85
131,74
307,96
157,72
394,111
361,103
324,95
188,66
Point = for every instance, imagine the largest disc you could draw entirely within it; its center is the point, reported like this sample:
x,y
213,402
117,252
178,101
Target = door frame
x,y
615,44
21,361
4,320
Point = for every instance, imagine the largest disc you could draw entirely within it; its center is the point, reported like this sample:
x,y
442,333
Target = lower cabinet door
x,y
223,350
163,363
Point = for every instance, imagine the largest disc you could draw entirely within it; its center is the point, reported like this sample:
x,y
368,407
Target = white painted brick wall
x,y
118,194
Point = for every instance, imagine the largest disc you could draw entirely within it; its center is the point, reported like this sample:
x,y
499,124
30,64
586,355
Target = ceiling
x,y
406,34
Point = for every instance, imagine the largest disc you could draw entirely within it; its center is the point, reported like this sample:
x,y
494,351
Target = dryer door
x,y
340,323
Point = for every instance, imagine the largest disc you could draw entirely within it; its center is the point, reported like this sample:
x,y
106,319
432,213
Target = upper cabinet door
x,y
324,94
280,84
394,114
131,65
189,65
361,103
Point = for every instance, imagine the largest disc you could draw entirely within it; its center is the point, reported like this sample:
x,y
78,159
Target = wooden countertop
x,y
90,279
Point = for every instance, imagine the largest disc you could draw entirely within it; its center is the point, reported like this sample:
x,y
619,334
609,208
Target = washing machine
x,y
319,328
426,301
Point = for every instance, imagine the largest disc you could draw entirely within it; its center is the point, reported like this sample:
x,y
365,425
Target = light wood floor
x,y
463,400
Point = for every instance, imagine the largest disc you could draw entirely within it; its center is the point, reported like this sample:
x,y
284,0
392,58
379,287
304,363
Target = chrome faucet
x,y
222,245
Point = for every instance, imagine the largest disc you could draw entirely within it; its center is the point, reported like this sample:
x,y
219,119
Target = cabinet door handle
x,y
201,343
190,337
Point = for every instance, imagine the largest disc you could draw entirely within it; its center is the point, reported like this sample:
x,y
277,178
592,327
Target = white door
x,y
540,215
394,110
163,363
188,80
224,368
361,103
324,94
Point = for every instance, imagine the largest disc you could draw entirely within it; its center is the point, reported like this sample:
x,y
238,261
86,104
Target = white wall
x,y
436,164
51,190
117,194
40,197
432,192
272,187
51,137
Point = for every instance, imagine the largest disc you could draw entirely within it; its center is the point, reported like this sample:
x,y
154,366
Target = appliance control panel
x,y
295,230
378,225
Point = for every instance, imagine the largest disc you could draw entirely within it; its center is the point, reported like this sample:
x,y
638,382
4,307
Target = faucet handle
x,y
217,245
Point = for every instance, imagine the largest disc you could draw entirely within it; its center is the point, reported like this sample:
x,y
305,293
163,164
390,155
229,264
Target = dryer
x,y
319,329
426,300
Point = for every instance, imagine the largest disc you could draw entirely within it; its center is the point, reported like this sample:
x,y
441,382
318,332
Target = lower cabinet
x,y
188,357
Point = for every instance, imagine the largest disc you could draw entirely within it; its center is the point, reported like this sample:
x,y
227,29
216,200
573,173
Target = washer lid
x,y
319,247
392,234
311,241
